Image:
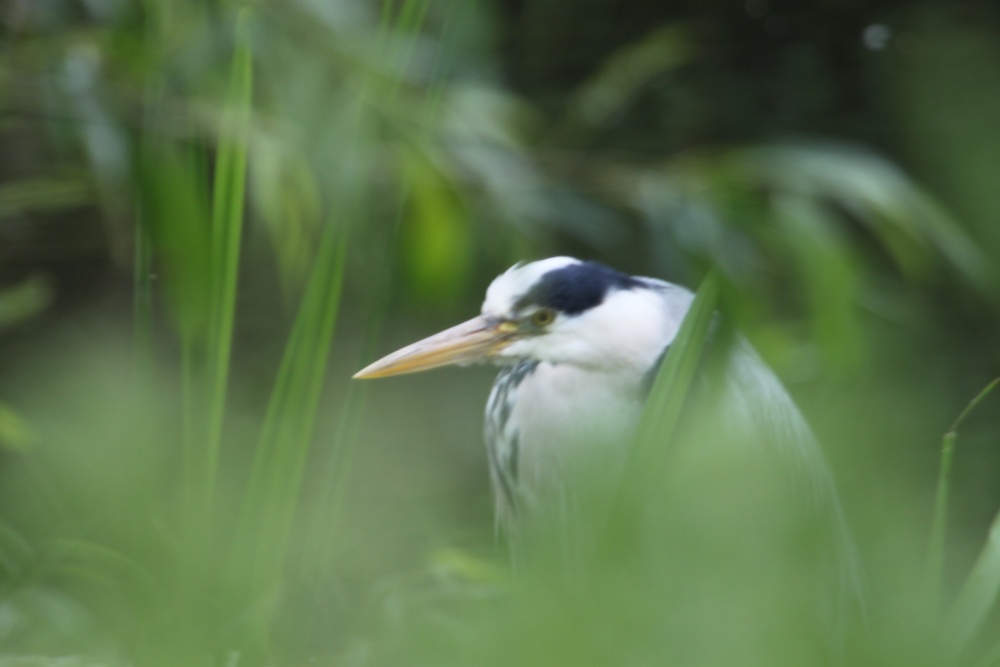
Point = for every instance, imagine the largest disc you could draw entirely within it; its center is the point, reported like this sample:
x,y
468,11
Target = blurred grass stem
x,y
673,382
935,550
661,417
979,592
142,304
227,228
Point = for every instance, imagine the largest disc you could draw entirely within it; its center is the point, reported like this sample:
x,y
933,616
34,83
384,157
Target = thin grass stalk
x,y
324,531
334,483
190,407
255,517
935,550
979,592
293,458
319,312
142,304
322,294
227,228
281,418
411,18
282,451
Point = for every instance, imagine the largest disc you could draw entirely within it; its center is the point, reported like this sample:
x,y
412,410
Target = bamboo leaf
x,y
828,273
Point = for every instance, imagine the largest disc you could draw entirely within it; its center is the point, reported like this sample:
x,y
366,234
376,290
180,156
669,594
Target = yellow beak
x,y
475,340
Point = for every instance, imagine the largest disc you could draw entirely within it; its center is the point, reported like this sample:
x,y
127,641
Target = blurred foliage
x,y
178,487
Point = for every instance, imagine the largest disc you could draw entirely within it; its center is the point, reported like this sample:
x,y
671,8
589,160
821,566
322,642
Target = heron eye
x,y
543,317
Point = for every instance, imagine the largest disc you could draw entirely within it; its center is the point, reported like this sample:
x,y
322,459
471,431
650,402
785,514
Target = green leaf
x,y
175,210
25,300
16,434
437,244
43,194
280,459
897,211
228,196
289,202
828,273
625,72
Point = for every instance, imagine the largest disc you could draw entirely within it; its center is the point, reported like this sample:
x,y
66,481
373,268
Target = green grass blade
x,y
664,407
326,520
227,227
673,382
175,208
979,592
412,15
142,303
322,313
973,404
281,456
935,550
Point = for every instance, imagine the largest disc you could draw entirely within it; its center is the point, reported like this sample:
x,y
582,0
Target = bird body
x,y
557,414
572,388
580,345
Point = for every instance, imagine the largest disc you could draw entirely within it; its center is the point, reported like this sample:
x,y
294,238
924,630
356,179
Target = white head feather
x,y
626,332
516,281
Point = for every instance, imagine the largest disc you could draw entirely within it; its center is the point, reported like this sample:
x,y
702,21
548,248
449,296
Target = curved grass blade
x,y
662,414
979,592
935,549
280,459
673,382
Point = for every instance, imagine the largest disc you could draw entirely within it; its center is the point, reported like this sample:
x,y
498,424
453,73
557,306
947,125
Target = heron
x,y
579,345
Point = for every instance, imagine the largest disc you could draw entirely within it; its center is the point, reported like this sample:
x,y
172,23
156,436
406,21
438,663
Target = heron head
x,y
557,310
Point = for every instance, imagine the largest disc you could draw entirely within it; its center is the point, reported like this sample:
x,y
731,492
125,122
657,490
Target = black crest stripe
x,y
575,288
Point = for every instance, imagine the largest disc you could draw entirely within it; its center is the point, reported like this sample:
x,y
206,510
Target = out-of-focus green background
x,y
213,213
